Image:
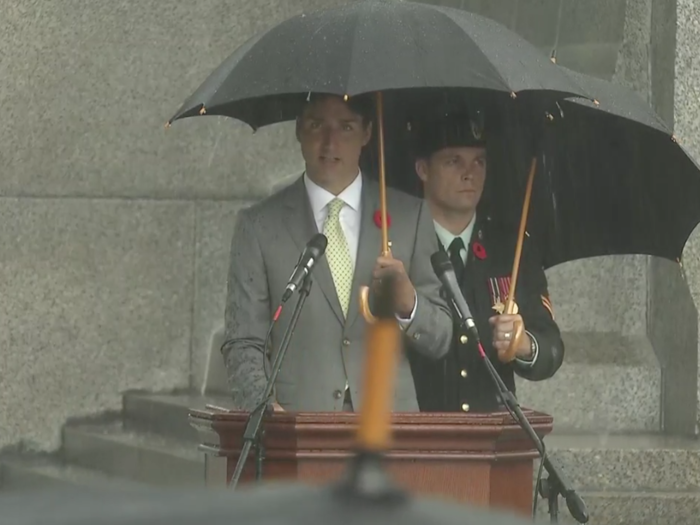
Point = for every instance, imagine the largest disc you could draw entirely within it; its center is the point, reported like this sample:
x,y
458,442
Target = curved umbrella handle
x,y
386,244
518,334
365,310
364,305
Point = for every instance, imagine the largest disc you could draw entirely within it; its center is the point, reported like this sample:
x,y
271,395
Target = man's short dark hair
x,y
459,129
361,105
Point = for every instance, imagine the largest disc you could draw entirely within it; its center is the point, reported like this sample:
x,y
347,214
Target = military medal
x,y
500,307
499,287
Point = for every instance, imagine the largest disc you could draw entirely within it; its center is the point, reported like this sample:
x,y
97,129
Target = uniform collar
x,y
447,237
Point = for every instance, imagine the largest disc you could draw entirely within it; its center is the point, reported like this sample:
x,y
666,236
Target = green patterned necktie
x,y
338,254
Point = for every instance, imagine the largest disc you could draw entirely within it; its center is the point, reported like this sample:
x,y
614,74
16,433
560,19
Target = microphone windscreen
x,y
318,244
441,262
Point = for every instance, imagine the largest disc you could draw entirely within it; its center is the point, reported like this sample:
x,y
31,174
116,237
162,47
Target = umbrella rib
x,y
351,62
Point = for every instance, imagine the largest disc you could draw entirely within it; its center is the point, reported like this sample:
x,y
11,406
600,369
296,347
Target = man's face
x,y
332,138
453,178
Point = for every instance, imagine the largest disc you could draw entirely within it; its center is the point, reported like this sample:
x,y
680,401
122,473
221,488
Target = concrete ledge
x,y
608,382
147,458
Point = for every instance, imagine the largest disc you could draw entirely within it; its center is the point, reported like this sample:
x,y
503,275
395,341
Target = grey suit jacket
x,y
326,349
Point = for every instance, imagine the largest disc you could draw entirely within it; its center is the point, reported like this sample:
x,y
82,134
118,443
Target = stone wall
x,y
115,233
686,112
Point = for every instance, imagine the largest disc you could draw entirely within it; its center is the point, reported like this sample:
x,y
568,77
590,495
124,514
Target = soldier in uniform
x,y
450,154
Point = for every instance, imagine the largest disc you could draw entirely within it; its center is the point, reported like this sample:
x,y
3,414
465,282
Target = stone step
x,y
166,414
630,479
608,382
148,458
632,508
32,472
644,463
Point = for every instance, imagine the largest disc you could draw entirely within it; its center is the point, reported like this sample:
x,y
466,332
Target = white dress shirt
x,y
350,218
350,215
446,239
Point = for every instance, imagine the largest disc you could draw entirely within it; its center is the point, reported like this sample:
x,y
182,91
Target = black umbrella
x,y
617,180
372,46
375,46
607,177
611,177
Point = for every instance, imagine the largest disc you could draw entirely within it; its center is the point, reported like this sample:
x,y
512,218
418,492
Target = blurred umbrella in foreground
x,y
364,496
269,505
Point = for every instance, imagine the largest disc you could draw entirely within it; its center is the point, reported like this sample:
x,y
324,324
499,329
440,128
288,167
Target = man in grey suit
x,y
322,370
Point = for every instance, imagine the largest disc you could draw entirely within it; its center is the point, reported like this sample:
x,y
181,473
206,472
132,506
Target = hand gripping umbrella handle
x,y
519,329
386,245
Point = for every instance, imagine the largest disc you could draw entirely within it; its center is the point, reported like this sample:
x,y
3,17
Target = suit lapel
x,y
300,222
368,249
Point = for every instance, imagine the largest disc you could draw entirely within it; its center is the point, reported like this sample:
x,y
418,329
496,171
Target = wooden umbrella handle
x,y
364,305
518,329
382,176
386,245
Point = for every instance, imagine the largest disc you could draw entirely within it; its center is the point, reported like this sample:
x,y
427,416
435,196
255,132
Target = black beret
x,y
446,130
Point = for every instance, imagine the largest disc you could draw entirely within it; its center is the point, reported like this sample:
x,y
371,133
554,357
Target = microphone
x,y
315,248
445,272
254,427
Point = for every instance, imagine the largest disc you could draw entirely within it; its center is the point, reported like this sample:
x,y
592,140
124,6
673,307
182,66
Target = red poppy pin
x,y
378,219
479,250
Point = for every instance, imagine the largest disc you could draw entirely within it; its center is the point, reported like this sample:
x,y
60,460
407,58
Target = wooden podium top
x,y
433,434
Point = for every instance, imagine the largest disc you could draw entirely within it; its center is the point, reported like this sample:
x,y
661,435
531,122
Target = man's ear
x,y
368,134
421,167
297,128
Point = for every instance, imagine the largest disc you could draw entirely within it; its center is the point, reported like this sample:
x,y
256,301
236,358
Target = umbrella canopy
x,y
271,504
617,179
611,179
371,46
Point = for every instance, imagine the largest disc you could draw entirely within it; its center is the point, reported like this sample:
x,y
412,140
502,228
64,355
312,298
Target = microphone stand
x,y
253,433
555,484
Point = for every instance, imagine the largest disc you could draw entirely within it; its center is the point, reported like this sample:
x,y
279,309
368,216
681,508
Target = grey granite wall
x,y
687,118
644,64
114,232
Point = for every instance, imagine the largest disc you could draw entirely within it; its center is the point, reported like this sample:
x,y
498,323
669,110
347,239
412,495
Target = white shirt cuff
x,y
404,323
536,352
